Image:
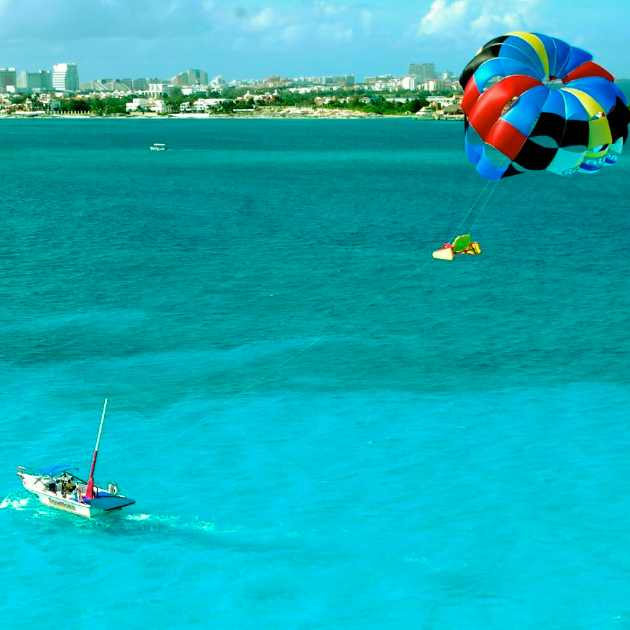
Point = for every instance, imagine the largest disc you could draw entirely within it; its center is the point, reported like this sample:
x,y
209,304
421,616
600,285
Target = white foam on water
x,y
171,521
13,501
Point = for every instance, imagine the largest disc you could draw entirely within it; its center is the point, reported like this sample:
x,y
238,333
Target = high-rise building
x,y
422,71
40,81
133,85
344,80
107,85
136,85
65,77
8,80
190,77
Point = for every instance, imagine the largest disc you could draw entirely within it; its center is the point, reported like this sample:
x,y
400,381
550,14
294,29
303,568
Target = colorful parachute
x,y
521,123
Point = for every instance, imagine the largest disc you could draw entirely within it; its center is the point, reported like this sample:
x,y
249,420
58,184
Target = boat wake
x,y
18,502
194,532
15,502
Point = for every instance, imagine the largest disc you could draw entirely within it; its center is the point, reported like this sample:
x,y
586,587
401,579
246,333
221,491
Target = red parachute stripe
x,y
508,139
489,107
588,69
471,95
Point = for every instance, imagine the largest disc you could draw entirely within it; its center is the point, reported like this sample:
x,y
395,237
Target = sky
x,y
240,39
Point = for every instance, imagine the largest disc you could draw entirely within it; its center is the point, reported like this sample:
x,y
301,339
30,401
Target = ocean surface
x,y
323,427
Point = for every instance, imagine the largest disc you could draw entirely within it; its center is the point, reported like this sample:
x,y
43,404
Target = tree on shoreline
x,y
353,99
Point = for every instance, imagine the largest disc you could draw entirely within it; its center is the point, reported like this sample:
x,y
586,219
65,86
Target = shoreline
x,y
288,113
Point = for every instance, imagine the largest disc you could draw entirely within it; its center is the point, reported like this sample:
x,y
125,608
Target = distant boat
x,y
158,147
58,487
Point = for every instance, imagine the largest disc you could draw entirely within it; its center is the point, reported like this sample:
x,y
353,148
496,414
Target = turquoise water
x,y
452,455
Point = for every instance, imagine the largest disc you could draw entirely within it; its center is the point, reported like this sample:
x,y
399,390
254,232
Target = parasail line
x,y
470,210
484,205
312,343
505,158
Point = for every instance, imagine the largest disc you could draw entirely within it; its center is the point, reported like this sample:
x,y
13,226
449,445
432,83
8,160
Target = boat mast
x,y
89,494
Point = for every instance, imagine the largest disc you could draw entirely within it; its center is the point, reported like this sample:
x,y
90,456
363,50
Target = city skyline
x,y
420,71
135,38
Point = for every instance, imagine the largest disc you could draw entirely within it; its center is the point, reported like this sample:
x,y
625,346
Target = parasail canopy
x,y
519,119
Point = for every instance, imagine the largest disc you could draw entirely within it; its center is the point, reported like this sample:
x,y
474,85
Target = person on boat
x,y
67,486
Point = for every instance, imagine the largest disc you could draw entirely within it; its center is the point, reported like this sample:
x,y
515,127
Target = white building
x,y
66,77
433,86
217,83
189,91
155,89
151,104
409,83
444,101
202,105
390,85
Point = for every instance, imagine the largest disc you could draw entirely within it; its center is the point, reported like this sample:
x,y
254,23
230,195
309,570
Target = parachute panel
x,y
534,41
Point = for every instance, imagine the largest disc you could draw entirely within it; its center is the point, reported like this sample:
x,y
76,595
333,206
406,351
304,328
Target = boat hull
x,y
82,509
104,503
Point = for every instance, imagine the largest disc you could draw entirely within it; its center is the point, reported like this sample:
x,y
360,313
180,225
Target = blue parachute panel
x,y
499,67
555,104
526,110
604,94
576,59
530,53
563,52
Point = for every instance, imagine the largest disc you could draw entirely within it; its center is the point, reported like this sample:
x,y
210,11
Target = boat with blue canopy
x,y
57,469
56,485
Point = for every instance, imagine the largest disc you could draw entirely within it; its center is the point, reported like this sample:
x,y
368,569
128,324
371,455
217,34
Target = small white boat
x,y
61,489
158,147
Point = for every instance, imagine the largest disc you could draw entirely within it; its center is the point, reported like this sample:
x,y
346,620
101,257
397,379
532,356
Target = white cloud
x,y
291,33
174,7
366,19
335,31
263,20
477,16
239,43
254,24
443,16
330,9
314,20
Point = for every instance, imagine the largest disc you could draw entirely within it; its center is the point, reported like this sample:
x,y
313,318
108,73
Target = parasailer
x,y
461,245
519,119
